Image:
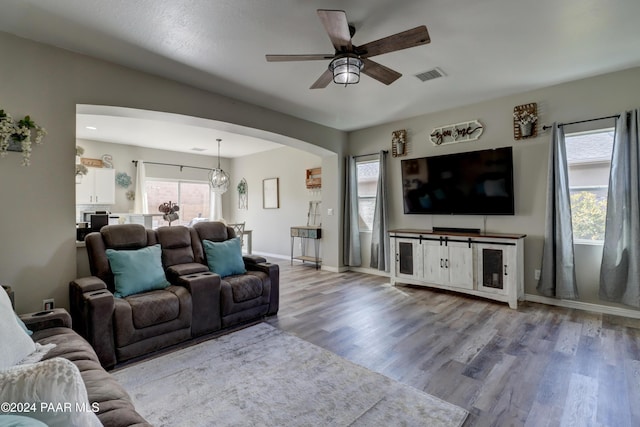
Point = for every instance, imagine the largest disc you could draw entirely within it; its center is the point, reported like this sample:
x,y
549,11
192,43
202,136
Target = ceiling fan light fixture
x,y
346,69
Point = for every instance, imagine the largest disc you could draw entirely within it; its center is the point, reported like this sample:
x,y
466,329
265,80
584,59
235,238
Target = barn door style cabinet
x,y
488,265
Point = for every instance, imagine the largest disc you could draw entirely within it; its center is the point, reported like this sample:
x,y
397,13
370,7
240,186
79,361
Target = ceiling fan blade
x,y
336,25
310,57
323,80
406,39
379,72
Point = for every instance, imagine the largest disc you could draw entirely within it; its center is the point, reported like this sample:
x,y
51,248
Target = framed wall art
x,y
270,193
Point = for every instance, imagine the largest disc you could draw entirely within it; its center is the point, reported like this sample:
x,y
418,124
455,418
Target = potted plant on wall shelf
x,y
16,136
525,119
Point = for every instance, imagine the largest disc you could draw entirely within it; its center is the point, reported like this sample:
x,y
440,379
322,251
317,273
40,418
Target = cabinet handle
x,y
505,270
397,258
441,263
446,263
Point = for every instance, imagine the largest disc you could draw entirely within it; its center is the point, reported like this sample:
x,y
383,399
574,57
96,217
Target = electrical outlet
x,y
330,211
48,304
537,274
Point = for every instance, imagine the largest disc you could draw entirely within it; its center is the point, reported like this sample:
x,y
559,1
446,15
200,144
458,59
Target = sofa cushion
x,y
151,308
244,287
137,271
225,258
114,402
11,332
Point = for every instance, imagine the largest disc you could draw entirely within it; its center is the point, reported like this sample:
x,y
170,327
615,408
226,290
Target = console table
x,y
489,265
305,232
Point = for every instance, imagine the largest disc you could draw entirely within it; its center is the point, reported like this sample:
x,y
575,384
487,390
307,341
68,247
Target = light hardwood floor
x,y
535,366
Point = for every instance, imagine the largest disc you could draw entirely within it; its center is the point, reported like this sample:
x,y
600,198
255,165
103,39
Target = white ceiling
x,y
487,49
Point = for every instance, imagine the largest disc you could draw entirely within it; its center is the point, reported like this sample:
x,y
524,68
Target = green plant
x,y
588,215
19,132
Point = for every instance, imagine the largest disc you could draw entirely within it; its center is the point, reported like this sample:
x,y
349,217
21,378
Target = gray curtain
x,y
558,276
380,230
620,270
351,229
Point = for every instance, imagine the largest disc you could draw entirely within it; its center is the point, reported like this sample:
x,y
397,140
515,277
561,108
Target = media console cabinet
x,y
488,265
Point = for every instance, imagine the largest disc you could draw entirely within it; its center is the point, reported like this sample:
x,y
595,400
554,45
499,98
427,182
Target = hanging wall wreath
x,y
16,136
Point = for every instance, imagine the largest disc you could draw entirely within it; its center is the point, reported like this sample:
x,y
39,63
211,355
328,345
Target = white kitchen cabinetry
x,y
486,265
97,187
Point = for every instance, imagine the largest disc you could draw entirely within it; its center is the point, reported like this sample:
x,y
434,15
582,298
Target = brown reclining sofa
x,y
197,302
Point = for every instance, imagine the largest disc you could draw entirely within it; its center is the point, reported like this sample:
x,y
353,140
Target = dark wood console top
x,y
453,233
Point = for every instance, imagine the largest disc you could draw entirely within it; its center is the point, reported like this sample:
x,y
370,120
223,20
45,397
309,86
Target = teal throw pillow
x,y
23,326
224,258
137,271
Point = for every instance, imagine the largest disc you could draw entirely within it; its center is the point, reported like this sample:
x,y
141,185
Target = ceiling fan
x,y
349,59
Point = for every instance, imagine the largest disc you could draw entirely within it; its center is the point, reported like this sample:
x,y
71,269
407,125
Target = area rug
x,y
262,376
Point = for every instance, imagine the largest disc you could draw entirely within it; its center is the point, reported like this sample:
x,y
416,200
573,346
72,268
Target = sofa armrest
x,y
273,271
92,307
56,318
204,288
252,260
176,271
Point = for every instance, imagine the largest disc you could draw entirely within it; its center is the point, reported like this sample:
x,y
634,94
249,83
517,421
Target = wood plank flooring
x,y
536,366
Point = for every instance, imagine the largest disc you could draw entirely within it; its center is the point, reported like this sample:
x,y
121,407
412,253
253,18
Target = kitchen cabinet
x,y
97,187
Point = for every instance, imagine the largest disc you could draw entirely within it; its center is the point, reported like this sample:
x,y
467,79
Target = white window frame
x,y
178,181
368,228
595,161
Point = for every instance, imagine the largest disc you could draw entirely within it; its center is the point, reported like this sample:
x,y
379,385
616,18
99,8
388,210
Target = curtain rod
x,y
583,121
135,162
370,154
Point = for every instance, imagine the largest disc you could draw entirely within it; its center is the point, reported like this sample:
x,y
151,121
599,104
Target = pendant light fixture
x,y
218,179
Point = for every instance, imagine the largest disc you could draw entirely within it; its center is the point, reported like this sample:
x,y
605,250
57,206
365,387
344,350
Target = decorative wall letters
x,y
459,132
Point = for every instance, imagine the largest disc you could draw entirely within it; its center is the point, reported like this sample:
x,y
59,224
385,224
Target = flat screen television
x,y
471,183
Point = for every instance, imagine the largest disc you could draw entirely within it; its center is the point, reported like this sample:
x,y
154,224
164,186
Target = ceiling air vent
x,y
430,75
198,149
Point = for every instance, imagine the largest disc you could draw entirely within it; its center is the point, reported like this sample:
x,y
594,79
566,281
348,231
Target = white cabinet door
x,y
105,186
459,265
448,263
434,255
97,187
496,268
84,188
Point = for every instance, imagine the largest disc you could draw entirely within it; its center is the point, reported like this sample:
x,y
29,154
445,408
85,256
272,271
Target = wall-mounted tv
x,y
471,183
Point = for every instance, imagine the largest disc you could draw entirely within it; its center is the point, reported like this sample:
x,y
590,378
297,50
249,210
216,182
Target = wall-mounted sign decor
x,y
243,194
459,132
399,143
92,163
525,121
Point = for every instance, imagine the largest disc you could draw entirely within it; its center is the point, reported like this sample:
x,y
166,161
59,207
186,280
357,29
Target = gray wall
x,y
271,227
584,99
37,231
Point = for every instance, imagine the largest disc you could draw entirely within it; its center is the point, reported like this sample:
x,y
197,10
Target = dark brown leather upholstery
x,y
115,406
123,328
197,303
179,261
246,296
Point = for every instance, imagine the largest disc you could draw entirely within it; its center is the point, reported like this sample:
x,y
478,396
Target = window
x,y
367,173
192,197
589,162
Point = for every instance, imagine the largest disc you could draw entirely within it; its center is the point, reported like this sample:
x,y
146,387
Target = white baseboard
x,y
270,255
598,308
